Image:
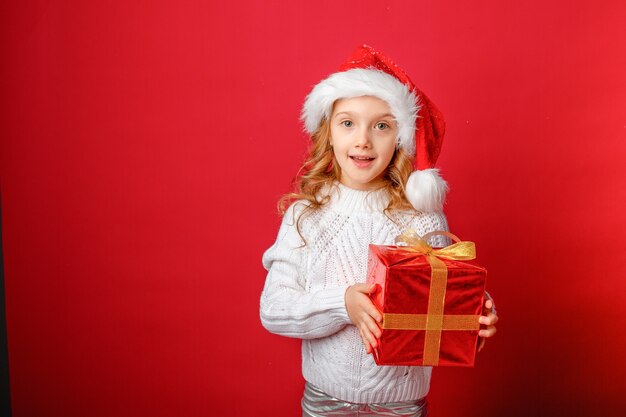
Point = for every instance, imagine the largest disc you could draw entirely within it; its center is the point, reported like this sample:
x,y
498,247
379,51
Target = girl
x,y
369,125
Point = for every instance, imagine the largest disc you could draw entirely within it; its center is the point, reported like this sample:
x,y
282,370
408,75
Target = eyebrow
x,y
382,116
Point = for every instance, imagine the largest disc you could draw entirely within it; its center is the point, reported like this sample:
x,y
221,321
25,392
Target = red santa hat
x,y
420,124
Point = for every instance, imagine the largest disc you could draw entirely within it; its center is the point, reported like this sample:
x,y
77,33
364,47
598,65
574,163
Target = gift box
x,y
431,300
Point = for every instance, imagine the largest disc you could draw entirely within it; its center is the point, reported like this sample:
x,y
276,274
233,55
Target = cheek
x,y
389,150
337,153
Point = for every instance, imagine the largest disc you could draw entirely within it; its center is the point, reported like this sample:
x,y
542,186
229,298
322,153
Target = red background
x,y
145,144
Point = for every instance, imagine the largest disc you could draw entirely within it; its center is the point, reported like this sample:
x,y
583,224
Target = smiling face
x,y
363,135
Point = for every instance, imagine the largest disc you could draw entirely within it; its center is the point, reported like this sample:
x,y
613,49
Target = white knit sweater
x,y
305,287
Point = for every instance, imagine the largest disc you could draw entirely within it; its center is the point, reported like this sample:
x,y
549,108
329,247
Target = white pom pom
x,y
426,190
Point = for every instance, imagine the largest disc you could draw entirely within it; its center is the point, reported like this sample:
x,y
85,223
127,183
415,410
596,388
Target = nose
x,y
363,138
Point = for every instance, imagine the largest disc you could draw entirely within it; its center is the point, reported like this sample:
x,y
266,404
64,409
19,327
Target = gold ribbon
x,y
434,321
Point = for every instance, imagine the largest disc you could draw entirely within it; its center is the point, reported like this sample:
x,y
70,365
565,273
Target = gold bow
x,y
434,322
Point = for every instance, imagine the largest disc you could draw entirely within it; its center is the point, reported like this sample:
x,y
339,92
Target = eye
x,y
347,123
382,126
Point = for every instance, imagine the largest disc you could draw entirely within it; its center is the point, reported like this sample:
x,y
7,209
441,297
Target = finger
x,y
359,287
488,304
370,309
481,344
370,288
488,320
368,348
369,336
494,318
365,288
372,326
374,313
488,332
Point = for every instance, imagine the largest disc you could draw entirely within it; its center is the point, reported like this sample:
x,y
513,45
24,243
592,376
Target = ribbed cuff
x,y
334,300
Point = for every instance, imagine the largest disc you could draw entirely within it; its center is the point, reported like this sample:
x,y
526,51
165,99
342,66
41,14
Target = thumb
x,y
363,288
370,288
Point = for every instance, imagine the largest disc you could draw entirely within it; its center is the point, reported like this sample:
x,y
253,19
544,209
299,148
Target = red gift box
x,y
430,299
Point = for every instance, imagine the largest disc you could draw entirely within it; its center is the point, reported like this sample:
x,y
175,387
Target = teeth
x,y
363,158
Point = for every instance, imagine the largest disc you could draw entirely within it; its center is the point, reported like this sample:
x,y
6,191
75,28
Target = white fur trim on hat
x,y
426,190
364,82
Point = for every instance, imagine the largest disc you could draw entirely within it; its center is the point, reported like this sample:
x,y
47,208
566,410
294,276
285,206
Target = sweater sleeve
x,y
287,308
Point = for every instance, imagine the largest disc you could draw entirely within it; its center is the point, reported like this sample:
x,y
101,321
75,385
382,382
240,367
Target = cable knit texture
x,y
306,284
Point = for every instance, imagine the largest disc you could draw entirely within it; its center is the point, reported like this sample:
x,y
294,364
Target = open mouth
x,y
361,161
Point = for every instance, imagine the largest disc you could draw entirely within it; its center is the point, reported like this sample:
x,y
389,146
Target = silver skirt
x,y
316,403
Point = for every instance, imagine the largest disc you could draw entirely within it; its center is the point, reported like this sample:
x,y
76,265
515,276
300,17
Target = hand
x,y
364,314
487,321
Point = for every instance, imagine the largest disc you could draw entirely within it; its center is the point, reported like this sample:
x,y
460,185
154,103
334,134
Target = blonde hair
x,y
320,169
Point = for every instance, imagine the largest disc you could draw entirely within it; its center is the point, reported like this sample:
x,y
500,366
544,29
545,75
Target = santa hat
x,y
420,124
